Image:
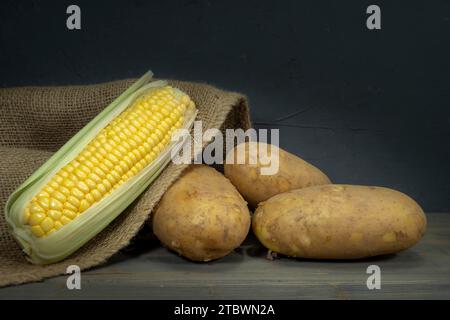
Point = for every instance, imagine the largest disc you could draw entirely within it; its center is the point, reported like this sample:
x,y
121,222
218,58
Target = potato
x,y
202,216
293,173
339,222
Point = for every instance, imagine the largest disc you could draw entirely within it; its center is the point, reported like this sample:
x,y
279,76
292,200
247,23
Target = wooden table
x,y
148,271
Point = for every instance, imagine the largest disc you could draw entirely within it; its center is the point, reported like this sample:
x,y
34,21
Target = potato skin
x,y
202,216
294,173
339,222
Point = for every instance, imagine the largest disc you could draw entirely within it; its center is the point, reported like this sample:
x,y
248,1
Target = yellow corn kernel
x,y
59,196
55,214
77,193
47,224
64,220
35,208
58,225
64,191
83,187
26,216
90,198
96,194
84,205
44,202
70,206
37,231
55,204
73,201
36,218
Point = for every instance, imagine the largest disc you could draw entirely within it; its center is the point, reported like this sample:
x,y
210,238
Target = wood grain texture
x,y
148,271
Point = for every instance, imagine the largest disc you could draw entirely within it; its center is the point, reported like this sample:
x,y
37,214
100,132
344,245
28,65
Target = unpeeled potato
x,y
339,222
293,173
202,216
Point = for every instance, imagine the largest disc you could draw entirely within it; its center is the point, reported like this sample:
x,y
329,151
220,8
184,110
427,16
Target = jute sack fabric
x,y
37,121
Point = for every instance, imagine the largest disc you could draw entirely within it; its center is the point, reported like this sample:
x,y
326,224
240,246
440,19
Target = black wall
x,y
376,103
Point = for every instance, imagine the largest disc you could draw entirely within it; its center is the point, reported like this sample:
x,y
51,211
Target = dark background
x,y
372,106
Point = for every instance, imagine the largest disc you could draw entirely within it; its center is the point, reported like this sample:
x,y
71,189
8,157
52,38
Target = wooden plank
x,y
148,271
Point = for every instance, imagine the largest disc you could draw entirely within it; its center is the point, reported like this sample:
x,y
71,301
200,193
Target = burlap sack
x,y
36,121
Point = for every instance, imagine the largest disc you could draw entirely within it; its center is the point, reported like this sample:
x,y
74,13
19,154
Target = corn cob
x,y
99,172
